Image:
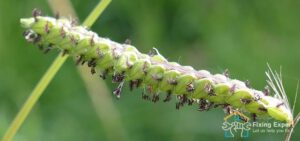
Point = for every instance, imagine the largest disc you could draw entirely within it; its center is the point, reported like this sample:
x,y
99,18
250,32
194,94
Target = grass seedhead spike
x,y
155,73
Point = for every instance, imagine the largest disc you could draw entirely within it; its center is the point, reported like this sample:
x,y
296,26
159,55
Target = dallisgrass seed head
x,y
153,72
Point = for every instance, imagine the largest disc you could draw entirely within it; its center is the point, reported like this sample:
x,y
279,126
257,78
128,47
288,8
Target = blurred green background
x,y
241,35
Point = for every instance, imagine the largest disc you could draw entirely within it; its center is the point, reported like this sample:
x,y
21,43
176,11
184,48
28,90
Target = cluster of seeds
x,y
152,71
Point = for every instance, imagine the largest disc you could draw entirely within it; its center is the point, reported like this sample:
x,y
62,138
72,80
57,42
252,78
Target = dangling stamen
x,y
118,90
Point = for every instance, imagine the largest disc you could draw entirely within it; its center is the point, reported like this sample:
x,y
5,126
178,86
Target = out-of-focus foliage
x,y
207,34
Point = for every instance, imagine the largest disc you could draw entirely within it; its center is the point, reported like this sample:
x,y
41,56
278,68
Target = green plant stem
x,y
291,128
32,99
46,79
93,16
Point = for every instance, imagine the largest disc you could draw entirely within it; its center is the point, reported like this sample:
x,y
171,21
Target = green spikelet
x,y
125,63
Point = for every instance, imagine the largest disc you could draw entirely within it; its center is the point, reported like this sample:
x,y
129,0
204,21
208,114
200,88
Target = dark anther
x,y
37,39
92,42
40,46
155,98
226,73
280,104
145,68
128,42
47,27
139,81
145,97
74,21
209,89
62,32
117,91
247,83
65,52
31,36
256,96
103,74
172,82
48,48
99,53
262,109
35,13
254,117
118,77
83,61
57,15
232,89
153,52
190,102
178,105
134,84
93,71
223,105
92,63
168,97
183,99
227,108
116,52
79,59
26,32
73,40
245,101
131,84
210,105
204,105
217,105
266,91
190,87
149,89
